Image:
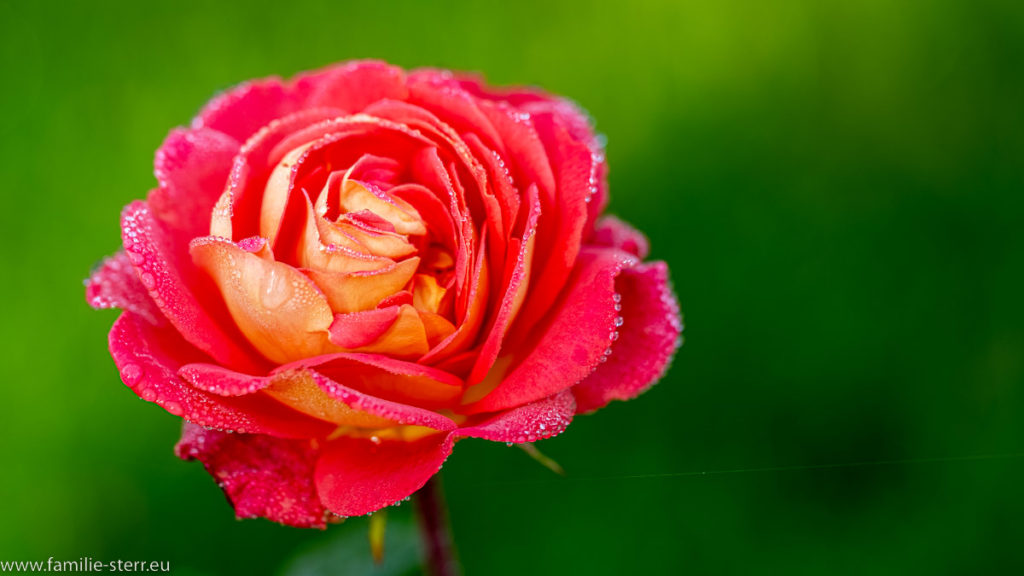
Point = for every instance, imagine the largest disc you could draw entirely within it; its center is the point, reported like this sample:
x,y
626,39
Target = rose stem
x,y
437,541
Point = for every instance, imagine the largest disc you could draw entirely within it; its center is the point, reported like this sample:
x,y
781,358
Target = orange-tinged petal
x,y
426,293
301,392
279,310
376,242
275,195
220,218
349,292
472,319
315,253
407,338
353,197
436,326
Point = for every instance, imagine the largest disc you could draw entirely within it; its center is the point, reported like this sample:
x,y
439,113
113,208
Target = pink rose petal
x,y
645,342
149,357
614,233
574,341
356,476
535,421
115,284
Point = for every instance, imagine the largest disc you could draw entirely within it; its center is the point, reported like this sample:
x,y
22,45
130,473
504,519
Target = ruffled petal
x,y
244,109
262,476
192,167
615,233
356,476
149,357
115,284
644,345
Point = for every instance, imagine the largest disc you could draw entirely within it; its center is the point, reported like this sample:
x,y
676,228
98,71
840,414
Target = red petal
x,y
175,285
115,284
149,358
356,476
355,85
573,342
443,97
192,167
614,233
221,381
262,476
536,421
237,213
561,231
516,280
646,341
246,108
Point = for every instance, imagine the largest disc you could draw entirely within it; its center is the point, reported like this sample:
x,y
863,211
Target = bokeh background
x,y
837,186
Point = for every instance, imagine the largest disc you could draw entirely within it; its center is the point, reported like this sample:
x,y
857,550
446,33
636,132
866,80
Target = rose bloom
x,y
339,276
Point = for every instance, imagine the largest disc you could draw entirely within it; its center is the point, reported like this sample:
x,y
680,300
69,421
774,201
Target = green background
x,y
837,187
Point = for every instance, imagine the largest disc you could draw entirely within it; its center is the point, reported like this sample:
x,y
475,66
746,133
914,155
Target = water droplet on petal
x,y
131,374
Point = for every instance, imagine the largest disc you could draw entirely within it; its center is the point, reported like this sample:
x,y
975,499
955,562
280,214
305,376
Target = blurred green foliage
x,y
837,187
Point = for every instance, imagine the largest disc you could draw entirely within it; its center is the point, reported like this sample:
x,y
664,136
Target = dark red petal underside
x,y
262,476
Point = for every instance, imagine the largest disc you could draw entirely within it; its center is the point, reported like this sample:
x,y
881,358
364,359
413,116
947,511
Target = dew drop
x,y
135,257
276,290
131,374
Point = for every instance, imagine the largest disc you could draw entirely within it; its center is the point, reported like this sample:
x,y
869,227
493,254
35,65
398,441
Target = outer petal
x,y
244,109
149,358
176,288
262,476
354,86
192,167
574,341
115,284
356,476
535,421
313,393
646,341
614,233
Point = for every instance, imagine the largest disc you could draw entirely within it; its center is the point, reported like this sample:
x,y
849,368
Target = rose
x,y
353,269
